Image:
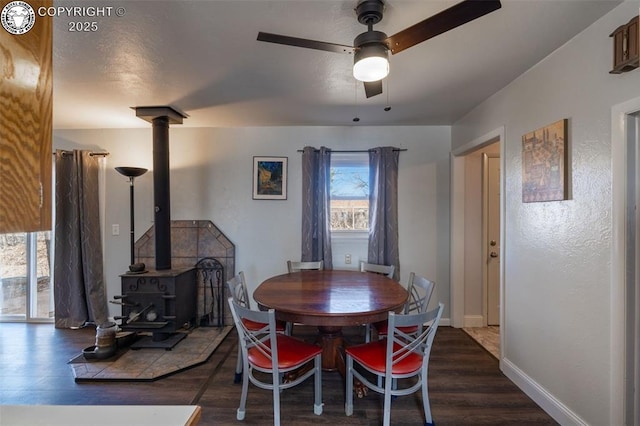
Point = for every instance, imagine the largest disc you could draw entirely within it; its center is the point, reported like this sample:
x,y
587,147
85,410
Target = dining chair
x,y
399,356
302,266
265,351
238,291
387,270
420,290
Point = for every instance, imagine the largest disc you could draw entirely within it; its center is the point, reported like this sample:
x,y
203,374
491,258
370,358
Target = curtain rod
x,y
93,154
355,150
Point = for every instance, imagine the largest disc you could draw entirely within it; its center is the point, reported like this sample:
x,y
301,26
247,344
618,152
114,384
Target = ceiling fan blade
x,y
372,88
439,23
302,42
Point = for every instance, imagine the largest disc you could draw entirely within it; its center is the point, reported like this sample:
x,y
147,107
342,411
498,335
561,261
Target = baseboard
x,y
473,321
555,408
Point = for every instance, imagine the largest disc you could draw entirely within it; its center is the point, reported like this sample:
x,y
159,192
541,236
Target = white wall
x,y
211,175
557,329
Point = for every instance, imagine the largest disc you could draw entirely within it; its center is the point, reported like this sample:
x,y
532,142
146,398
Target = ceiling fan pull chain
x,y
355,101
388,107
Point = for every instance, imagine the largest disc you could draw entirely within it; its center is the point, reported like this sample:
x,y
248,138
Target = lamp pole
x,y
131,173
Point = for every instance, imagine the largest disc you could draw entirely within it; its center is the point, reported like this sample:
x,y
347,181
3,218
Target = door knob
x,y
493,243
493,254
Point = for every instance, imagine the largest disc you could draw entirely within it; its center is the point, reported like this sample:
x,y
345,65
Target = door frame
x,y
485,234
457,227
620,397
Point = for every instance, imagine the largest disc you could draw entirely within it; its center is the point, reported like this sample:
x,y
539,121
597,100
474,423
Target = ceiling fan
x,y
370,49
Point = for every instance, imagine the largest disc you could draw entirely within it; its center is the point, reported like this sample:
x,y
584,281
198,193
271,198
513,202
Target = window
x,y
350,192
26,291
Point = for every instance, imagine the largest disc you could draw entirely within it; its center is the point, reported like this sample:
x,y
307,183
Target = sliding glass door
x,y
26,287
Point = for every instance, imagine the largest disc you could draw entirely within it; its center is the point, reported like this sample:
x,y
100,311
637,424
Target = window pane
x,y
25,289
350,215
350,192
13,274
43,307
350,182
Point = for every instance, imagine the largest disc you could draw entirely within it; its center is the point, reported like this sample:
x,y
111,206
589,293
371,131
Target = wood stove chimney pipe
x,y
160,117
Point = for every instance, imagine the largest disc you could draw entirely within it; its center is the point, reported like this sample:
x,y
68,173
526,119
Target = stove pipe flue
x,y
160,117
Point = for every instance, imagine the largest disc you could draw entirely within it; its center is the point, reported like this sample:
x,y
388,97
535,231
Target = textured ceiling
x,y
203,58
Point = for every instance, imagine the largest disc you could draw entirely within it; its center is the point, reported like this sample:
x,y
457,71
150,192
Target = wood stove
x,y
184,286
161,302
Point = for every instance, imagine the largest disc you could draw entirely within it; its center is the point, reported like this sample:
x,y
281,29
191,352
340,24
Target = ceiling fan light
x,y
371,63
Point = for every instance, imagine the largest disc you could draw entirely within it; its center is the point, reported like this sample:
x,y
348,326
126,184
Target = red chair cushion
x,y
253,325
374,355
291,353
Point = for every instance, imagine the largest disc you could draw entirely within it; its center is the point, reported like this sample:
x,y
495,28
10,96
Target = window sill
x,y
349,235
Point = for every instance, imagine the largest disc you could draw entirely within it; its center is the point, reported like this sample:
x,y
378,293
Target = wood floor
x,y
465,384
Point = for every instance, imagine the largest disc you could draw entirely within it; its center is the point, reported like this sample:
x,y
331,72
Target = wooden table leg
x,y
333,344
331,340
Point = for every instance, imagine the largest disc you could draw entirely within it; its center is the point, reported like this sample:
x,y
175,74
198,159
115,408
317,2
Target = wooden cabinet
x,y
626,39
25,126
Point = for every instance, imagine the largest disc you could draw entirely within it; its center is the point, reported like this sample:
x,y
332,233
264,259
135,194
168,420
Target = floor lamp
x,y
132,173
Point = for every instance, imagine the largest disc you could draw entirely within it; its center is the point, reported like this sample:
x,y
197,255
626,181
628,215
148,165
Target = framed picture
x,y
544,163
269,178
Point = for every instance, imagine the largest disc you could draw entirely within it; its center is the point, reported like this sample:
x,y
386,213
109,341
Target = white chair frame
x,y
265,341
238,291
387,270
420,290
404,346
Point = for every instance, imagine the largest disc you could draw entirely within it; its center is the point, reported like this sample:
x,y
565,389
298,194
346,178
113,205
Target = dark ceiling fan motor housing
x,y
369,12
369,39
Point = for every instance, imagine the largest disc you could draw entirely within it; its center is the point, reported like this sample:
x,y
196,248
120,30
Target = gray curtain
x,y
383,208
316,212
79,288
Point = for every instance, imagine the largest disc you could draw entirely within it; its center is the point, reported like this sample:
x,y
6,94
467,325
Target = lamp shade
x,y
131,171
371,63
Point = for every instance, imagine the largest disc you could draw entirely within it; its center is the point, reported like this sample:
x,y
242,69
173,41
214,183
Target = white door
x,y
493,239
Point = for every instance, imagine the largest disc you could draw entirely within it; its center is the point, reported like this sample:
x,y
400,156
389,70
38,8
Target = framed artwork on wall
x,y
269,178
544,163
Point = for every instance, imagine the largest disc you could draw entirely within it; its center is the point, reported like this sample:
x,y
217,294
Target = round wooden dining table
x,y
331,300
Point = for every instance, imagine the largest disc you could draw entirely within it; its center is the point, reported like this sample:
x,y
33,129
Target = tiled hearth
x,y
192,240
151,364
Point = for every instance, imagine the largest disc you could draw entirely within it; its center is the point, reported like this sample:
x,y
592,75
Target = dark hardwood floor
x,y
465,384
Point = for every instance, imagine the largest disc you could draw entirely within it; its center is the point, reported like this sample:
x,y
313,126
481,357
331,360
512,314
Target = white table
x,y
99,415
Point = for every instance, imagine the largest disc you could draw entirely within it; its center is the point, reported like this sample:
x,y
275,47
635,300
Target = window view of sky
x,y
350,182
